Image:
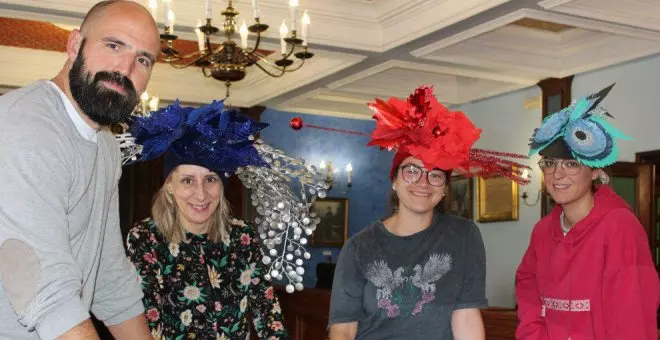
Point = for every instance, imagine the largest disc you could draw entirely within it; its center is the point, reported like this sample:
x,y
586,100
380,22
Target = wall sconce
x,y
524,195
333,176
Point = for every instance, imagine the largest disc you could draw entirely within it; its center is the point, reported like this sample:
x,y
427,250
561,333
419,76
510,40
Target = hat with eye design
x,y
581,132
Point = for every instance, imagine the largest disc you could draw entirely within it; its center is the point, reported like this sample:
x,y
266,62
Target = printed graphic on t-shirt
x,y
406,291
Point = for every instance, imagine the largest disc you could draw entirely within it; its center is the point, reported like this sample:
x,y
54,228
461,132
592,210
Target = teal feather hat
x,y
581,132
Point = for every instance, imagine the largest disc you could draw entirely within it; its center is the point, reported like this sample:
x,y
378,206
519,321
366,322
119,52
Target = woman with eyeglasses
x,y
418,273
588,272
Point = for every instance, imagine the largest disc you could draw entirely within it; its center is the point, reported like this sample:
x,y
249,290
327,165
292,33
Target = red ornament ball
x,y
296,123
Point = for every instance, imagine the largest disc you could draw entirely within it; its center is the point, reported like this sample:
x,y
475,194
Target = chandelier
x,y
229,61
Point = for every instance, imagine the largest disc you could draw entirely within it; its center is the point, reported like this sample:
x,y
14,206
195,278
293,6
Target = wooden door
x,y
634,183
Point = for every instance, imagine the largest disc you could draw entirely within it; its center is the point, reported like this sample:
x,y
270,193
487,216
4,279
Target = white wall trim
x,y
539,15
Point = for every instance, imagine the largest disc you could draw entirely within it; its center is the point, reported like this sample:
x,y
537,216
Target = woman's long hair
x,y
393,198
165,213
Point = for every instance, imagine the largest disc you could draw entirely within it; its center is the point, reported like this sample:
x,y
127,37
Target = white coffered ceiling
x,y
467,49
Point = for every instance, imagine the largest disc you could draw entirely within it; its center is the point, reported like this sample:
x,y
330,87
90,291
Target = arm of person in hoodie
x,y
631,290
531,324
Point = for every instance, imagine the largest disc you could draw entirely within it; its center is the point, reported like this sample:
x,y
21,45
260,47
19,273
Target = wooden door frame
x,y
552,87
653,158
644,199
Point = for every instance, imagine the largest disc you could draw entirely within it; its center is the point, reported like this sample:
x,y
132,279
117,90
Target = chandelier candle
x,y
244,35
293,4
255,6
200,36
153,8
305,27
166,12
284,31
209,13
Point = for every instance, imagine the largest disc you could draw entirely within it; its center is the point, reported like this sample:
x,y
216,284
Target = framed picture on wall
x,y
498,199
459,197
332,231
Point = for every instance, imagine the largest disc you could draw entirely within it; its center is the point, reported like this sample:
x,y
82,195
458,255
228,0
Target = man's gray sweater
x,y
61,254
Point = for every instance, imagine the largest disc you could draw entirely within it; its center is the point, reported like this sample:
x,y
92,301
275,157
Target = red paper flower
x,y
440,138
425,128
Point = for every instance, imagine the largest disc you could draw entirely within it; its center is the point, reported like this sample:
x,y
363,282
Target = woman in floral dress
x,y
200,269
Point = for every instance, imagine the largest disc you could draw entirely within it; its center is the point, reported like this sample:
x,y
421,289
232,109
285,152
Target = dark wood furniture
x,y
500,323
305,313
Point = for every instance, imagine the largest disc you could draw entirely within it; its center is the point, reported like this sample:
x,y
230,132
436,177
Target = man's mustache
x,y
118,79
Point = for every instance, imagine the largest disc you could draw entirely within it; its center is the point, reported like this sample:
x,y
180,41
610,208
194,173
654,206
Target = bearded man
x,y
61,255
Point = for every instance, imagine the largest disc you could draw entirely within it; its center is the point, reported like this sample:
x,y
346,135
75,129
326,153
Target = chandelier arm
x,y
256,43
199,55
279,68
258,55
187,64
269,72
270,63
218,49
193,54
296,68
205,72
293,47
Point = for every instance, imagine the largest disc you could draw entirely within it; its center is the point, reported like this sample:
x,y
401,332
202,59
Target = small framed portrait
x,y
332,231
459,197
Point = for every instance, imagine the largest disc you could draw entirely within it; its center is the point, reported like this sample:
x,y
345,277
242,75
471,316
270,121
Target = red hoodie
x,y
596,282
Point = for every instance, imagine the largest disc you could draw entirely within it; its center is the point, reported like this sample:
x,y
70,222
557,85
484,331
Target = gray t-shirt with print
x,y
407,287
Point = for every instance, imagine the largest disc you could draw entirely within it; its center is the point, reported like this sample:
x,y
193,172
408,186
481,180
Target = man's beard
x,y
102,105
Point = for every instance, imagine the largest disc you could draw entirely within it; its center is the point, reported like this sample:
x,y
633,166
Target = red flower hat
x,y
440,138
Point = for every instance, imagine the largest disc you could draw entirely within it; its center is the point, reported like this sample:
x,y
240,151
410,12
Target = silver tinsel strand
x,y
284,219
129,150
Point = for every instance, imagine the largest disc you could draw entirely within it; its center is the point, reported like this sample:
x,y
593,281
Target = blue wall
x,y
367,198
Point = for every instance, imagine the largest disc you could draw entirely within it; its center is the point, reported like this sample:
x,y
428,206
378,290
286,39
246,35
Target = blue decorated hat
x,y
581,132
283,189
208,136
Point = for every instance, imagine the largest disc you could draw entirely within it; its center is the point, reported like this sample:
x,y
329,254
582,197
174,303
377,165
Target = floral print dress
x,y
198,289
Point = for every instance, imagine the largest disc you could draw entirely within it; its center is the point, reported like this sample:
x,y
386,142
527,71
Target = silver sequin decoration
x,y
283,195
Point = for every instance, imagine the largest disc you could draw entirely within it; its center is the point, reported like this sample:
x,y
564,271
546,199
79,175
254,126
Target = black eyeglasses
x,y
549,166
412,173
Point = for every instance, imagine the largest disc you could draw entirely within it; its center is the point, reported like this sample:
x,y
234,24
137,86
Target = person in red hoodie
x,y
588,271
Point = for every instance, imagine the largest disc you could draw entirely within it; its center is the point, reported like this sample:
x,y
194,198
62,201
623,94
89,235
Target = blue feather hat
x,y
209,136
579,132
